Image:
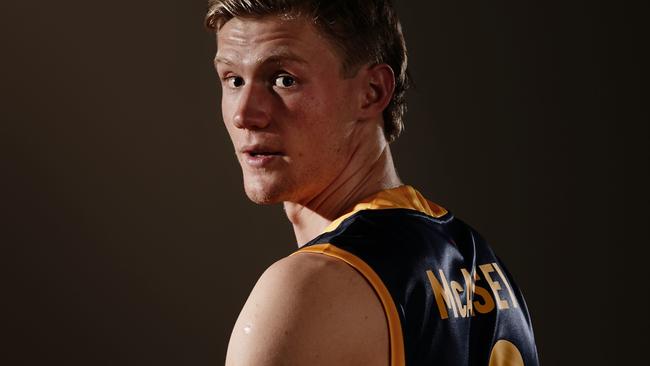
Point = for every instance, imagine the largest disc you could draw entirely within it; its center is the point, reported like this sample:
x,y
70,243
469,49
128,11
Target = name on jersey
x,y
467,298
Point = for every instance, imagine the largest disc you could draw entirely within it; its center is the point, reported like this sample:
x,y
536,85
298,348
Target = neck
x,y
365,175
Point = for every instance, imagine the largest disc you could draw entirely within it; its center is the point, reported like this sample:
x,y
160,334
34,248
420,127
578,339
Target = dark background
x,y
126,236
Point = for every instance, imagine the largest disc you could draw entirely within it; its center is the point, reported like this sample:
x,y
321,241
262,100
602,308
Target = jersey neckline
x,y
404,196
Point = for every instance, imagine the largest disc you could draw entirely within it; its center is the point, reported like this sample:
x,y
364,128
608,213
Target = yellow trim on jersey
x,y
394,325
400,197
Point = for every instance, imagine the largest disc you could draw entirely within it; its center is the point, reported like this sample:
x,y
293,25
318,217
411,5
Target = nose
x,y
253,107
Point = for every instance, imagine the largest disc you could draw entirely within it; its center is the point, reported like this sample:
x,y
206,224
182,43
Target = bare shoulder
x,y
310,309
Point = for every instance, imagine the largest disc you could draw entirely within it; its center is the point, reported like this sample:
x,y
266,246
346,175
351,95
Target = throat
x,y
307,223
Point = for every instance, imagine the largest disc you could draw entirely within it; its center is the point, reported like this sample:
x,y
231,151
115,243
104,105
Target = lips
x,y
261,155
260,150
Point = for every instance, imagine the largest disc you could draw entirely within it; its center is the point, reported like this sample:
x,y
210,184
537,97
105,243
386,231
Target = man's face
x,y
290,113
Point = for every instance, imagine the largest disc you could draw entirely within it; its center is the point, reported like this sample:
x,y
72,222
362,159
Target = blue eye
x,y
285,81
235,81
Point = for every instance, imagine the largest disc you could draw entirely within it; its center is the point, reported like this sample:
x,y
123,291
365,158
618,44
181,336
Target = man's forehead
x,y
248,30
270,38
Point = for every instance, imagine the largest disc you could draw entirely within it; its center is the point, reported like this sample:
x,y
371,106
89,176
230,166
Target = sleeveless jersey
x,y
448,299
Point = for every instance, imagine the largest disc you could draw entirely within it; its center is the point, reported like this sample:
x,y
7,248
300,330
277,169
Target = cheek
x,y
321,140
226,115
226,105
314,124
319,109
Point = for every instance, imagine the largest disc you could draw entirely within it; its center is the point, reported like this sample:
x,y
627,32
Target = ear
x,y
378,88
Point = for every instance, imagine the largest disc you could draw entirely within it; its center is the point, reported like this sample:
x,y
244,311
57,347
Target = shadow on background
x,y
128,238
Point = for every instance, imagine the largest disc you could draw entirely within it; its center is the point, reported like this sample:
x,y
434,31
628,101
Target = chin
x,y
265,193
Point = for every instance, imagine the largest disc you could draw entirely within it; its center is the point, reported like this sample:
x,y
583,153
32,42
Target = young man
x,y
313,93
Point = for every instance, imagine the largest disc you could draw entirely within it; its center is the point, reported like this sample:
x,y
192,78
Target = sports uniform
x,y
448,299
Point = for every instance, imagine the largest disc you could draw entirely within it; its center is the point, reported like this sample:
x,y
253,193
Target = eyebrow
x,y
277,57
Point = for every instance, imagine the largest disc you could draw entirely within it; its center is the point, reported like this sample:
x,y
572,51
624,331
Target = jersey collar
x,y
400,197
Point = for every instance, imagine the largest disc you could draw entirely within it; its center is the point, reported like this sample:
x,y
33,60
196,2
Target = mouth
x,y
260,156
262,153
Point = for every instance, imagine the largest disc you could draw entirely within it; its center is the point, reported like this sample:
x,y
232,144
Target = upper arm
x,y
310,309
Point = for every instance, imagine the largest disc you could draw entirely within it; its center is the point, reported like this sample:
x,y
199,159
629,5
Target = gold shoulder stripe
x,y
397,357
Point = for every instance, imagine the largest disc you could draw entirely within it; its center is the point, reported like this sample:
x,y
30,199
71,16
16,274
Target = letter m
x,y
443,295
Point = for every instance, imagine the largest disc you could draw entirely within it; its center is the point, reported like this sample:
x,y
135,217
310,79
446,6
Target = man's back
x,y
386,284
448,299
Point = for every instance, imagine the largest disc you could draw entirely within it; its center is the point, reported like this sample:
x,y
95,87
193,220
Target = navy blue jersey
x,y
448,299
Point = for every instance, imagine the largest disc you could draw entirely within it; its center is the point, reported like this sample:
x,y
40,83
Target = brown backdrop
x,y
127,239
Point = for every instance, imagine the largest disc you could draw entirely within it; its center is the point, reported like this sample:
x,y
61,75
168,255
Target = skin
x,y
311,138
